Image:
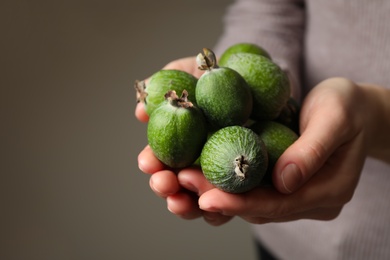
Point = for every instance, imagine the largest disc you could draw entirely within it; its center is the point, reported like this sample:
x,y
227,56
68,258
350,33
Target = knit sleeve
x,y
276,25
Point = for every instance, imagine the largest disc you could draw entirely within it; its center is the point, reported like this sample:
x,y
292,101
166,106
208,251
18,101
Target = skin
x,y
342,122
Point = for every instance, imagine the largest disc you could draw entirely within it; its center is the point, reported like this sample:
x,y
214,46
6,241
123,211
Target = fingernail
x,y
141,165
291,177
209,208
151,184
210,217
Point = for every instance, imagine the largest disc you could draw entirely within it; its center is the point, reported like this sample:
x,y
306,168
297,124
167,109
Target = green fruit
x,y
289,116
222,94
242,47
269,83
234,159
152,93
276,137
177,131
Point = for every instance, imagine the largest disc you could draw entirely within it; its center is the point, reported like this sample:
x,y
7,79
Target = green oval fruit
x,y
269,83
276,137
224,96
177,131
234,159
152,93
242,47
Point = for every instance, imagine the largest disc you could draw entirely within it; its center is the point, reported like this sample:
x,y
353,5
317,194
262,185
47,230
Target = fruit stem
x,y
241,166
206,60
175,100
141,93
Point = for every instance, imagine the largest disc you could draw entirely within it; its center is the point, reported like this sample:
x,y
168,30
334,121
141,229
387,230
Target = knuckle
x,y
314,154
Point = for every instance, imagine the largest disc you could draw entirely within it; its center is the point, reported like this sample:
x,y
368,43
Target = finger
x,y
164,183
268,203
323,133
148,162
194,180
322,214
260,202
184,205
140,112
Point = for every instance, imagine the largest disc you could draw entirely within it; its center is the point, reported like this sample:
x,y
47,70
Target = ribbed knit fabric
x,y
315,40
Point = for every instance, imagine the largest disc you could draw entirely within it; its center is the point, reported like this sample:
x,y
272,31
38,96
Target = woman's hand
x,y
315,176
166,183
318,174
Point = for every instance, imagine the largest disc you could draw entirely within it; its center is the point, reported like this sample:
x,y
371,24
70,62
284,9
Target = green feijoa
x,y
152,92
222,93
245,47
234,159
289,116
269,83
276,137
177,131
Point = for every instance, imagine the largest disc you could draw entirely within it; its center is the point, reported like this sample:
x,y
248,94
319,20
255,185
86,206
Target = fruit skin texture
x,y
161,82
176,134
269,83
224,97
224,150
242,47
276,137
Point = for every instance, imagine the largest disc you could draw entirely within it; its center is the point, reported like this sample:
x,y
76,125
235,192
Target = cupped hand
x,y
181,194
317,175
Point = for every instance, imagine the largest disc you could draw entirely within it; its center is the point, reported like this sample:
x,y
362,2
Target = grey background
x,y
70,185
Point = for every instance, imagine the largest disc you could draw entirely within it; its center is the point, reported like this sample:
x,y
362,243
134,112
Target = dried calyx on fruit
x,y
174,99
206,60
151,93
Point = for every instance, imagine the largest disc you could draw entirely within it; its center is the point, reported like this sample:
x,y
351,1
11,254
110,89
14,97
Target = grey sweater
x,y
315,40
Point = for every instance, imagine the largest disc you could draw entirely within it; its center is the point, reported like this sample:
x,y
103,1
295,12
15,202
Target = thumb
x,y
305,156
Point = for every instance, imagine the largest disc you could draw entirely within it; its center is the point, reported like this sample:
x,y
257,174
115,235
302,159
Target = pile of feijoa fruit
x,y
235,121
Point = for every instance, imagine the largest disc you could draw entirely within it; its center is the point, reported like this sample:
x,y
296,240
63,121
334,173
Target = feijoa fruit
x,y
242,47
177,131
222,93
276,137
152,93
234,159
269,83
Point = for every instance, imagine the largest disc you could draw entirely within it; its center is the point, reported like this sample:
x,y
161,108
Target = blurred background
x,y
70,186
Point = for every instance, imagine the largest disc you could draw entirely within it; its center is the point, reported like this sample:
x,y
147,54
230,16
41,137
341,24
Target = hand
x,y
318,174
166,183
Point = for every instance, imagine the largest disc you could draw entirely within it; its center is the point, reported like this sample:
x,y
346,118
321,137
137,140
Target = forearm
x,y
377,113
